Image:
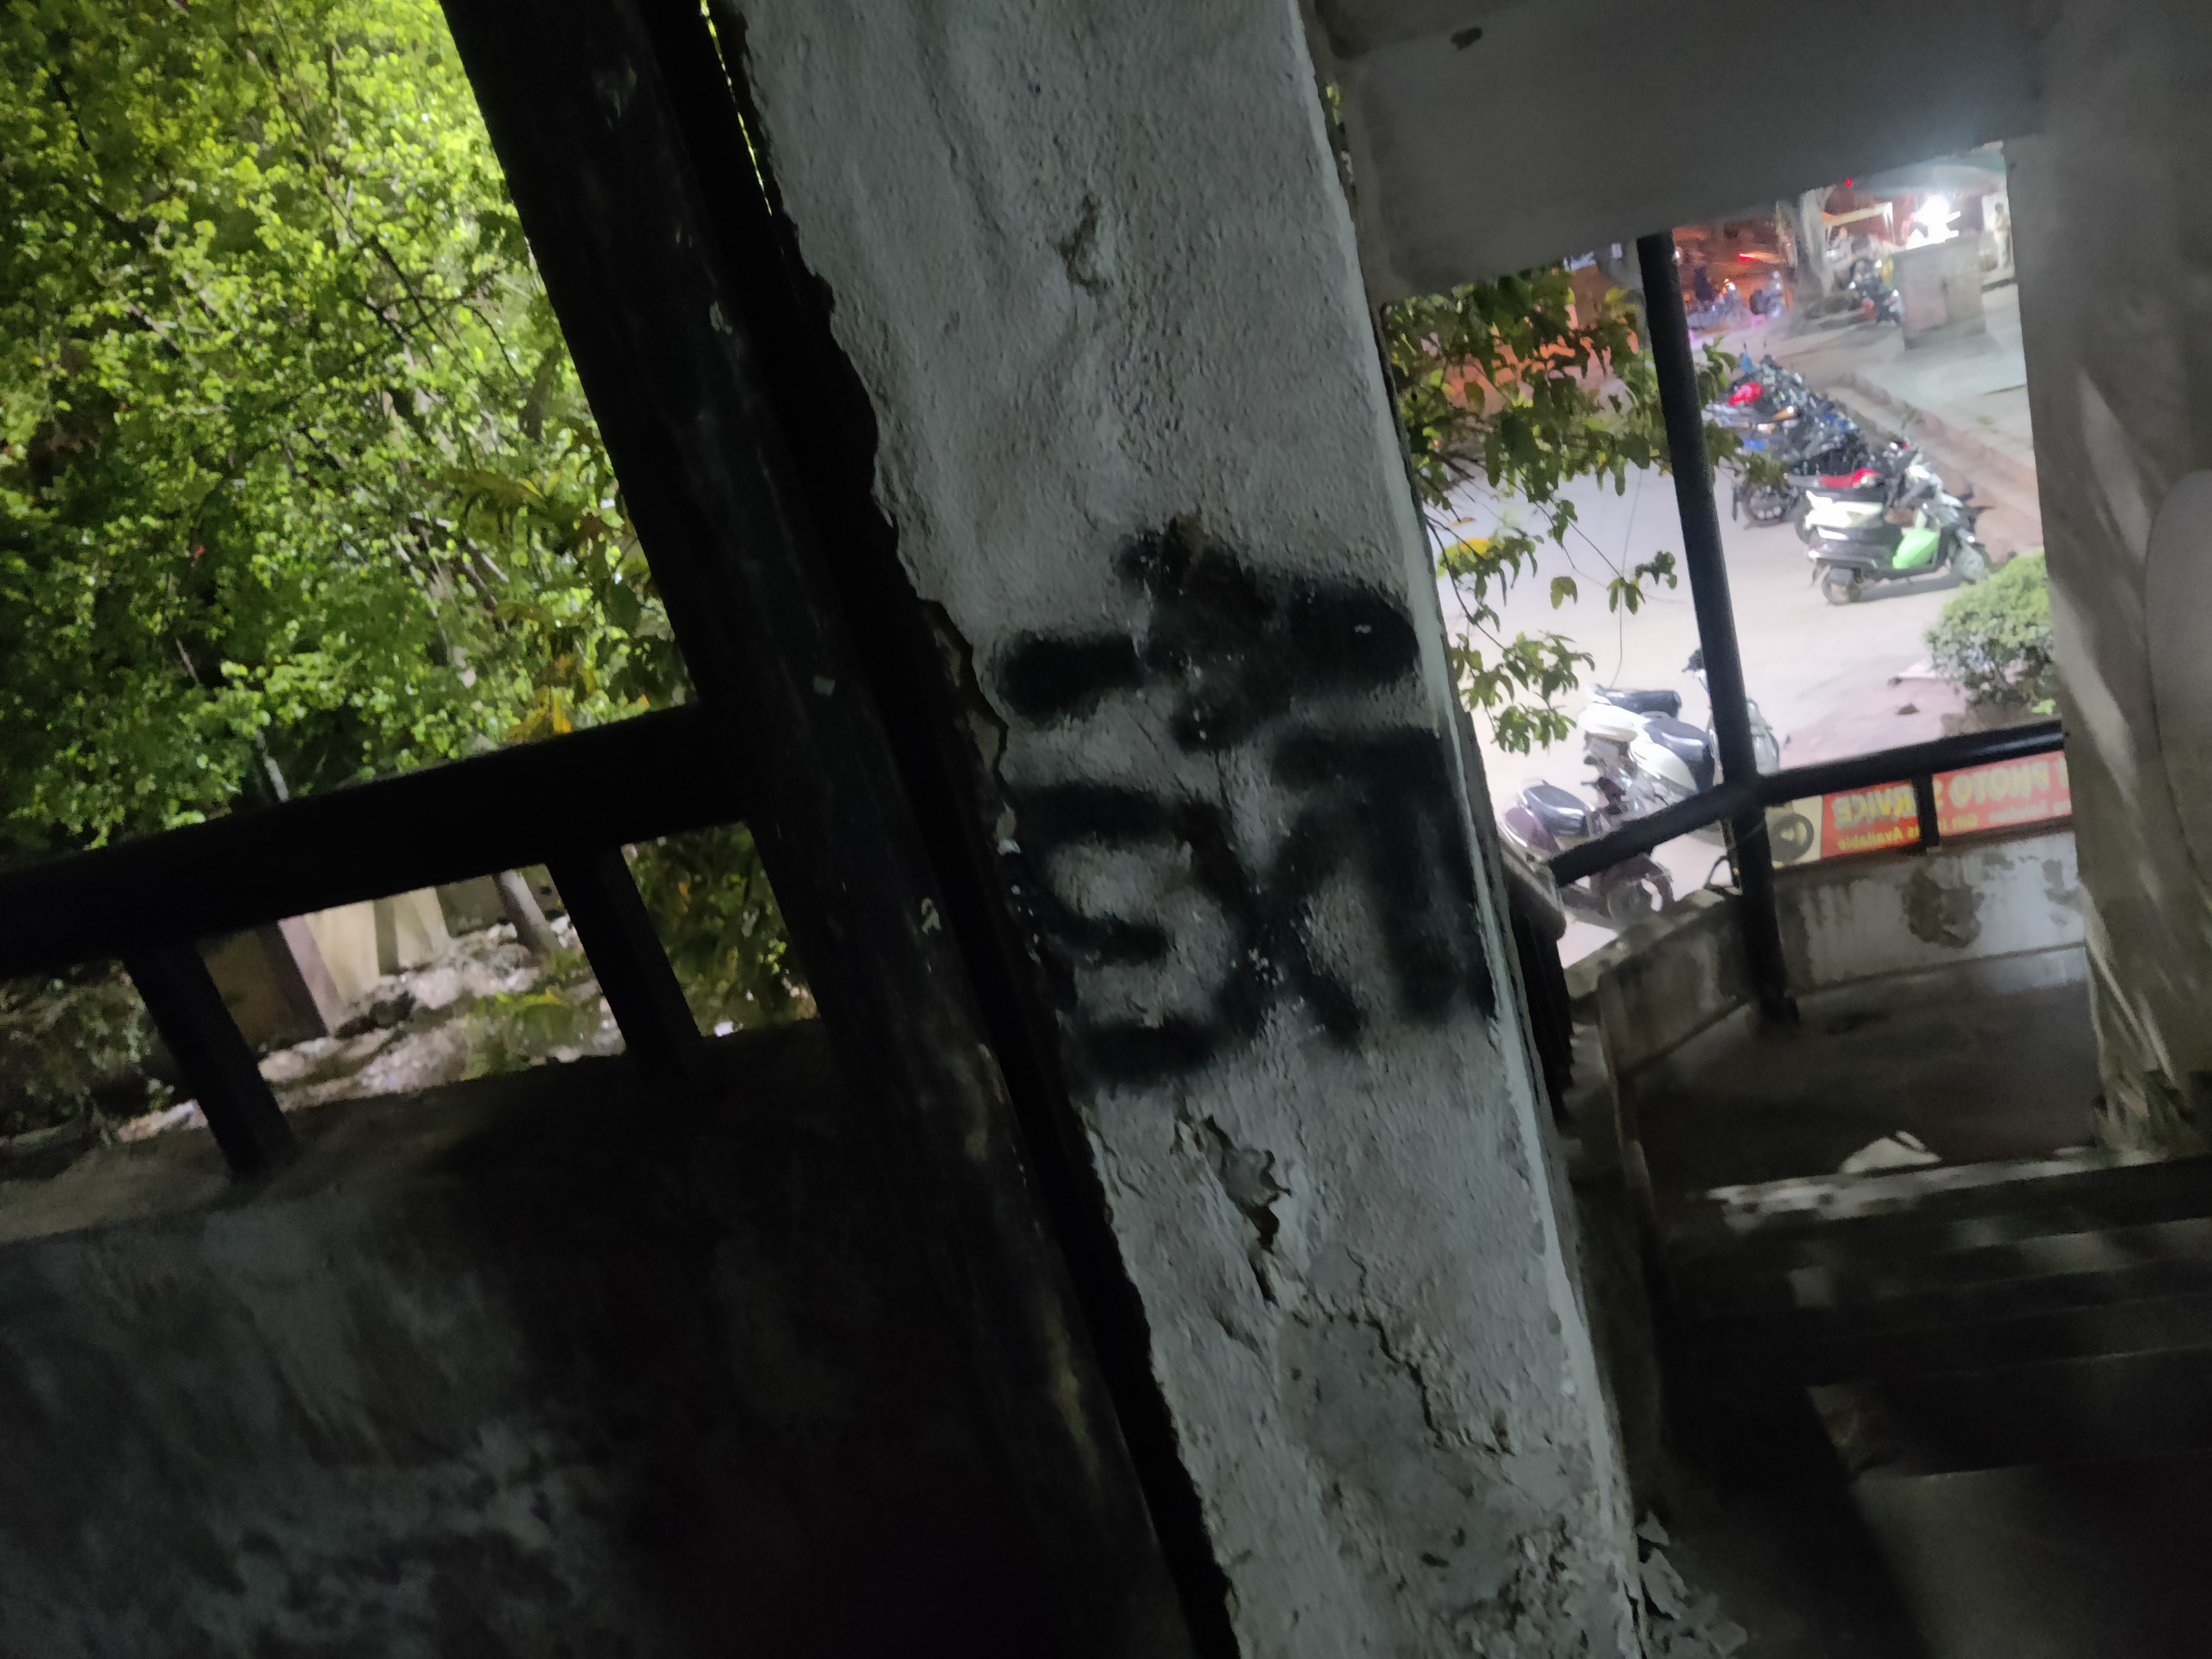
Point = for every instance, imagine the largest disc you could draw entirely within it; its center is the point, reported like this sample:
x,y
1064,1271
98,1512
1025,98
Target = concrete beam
x,y
1489,138
1096,272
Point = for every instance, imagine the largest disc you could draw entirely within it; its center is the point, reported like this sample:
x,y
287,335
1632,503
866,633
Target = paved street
x,y
1831,680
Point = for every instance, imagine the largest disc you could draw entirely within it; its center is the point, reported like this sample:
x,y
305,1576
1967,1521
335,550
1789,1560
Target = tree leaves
x,y
1512,390
292,456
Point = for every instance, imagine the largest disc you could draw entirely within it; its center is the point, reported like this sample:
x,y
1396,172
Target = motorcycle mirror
x,y
1966,492
1697,662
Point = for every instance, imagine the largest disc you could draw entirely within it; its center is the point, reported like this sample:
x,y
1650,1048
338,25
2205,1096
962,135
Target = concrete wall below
x,y
1855,919
543,1364
1844,921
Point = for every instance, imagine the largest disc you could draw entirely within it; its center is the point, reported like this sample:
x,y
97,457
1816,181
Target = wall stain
x,y
2056,888
1948,916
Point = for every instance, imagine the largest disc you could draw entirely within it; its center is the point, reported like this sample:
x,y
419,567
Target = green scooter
x,y
1886,524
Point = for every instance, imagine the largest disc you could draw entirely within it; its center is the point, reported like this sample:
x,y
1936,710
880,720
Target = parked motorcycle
x,y
1886,522
1779,416
1545,820
1819,441
1878,302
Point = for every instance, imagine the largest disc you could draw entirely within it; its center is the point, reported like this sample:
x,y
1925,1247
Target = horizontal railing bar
x,y
635,780
1641,835
1914,760
1821,778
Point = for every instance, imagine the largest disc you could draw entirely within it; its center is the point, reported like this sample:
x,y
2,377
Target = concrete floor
x,y
1977,1077
2056,1550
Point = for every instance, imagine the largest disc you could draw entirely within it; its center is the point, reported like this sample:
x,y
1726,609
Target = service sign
x,y
1977,798
1850,821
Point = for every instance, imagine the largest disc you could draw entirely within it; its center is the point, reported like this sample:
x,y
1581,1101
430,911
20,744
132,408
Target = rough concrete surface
x,y
1975,1076
1096,273
2109,216
540,1365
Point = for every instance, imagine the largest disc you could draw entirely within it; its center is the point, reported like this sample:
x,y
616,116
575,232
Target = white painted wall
x,y
1855,919
2112,217
1570,124
1096,272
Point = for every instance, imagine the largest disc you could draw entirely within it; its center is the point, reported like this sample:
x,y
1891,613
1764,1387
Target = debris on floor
x,y
1901,1151
484,1004
1679,1624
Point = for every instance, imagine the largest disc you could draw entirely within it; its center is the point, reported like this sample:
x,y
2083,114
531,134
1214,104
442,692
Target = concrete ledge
x,y
548,1363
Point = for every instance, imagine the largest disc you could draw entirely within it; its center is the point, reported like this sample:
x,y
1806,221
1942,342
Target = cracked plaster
x,y
1095,272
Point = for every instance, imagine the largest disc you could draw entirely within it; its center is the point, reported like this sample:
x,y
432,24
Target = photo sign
x,y
1973,799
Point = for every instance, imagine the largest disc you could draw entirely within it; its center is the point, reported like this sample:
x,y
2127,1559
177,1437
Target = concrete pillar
x,y
2112,217
1095,271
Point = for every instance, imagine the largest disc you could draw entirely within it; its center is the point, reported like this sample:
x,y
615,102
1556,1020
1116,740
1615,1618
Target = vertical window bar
x,y
1702,557
188,1010
628,960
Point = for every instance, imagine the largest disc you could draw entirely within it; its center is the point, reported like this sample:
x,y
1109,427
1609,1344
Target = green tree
x,y
1508,392
297,484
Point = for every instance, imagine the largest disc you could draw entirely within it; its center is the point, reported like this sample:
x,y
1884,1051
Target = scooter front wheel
x,y
1766,504
1971,560
1840,586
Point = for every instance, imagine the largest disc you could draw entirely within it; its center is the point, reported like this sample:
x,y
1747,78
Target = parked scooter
x,y
1545,820
1885,523
1638,741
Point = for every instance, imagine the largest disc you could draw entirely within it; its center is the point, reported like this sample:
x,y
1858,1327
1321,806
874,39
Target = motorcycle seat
x,y
1559,810
1640,702
1686,742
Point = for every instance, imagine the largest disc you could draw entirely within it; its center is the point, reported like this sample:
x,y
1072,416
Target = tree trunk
x,y
1810,277
521,907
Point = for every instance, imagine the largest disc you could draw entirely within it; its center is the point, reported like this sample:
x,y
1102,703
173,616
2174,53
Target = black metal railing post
x,y
632,970
1924,809
1702,557
174,981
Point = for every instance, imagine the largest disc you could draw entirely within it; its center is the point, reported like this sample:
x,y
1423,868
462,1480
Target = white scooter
x,y
1639,740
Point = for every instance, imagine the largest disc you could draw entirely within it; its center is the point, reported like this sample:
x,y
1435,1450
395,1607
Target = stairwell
x,y
2003,1371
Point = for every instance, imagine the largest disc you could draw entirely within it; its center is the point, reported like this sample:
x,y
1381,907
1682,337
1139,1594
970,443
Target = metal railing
x,y
569,803
1915,764
1740,800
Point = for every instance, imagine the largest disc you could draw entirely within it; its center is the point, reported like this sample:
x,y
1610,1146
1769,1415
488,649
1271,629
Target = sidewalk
x,y
1965,402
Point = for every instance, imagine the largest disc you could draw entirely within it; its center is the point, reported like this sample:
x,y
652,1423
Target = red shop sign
x,y
2002,793
1868,820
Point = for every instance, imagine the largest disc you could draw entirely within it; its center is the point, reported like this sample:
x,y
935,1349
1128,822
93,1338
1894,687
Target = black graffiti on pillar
x,y
1241,645
1251,657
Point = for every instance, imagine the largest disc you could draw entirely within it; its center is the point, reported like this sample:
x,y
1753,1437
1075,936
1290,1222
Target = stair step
x,y
2094,1560
1791,1223
1967,1304
2182,1246
2153,1403
1829,1354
